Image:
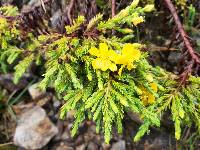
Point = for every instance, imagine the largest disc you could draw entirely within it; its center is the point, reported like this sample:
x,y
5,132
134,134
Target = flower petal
x,y
137,20
154,86
113,67
103,46
94,51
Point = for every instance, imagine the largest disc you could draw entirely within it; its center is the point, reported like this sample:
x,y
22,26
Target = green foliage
x,y
94,21
22,66
190,18
106,93
76,25
9,10
183,103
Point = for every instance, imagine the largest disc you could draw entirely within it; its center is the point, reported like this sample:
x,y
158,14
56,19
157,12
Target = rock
x,y
6,1
79,140
105,146
64,146
81,147
92,129
6,81
159,142
43,99
34,91
34,129
56,18
97,139
120,145
174,57
70,114
34,3
21,108
89,137
56,104
92,146
66,136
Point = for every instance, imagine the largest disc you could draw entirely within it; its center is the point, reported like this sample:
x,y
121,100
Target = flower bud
x,y
148,8
137,20
134,3
126,30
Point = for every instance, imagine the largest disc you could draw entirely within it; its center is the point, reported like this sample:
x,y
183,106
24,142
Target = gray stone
x,y
34,3
56,18
81,147
70,114
92,146
174,57
120,145
64,146
34,129
6,1
105,146
35,91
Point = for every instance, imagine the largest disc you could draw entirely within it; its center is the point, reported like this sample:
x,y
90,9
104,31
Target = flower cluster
x,y
109,59
147,97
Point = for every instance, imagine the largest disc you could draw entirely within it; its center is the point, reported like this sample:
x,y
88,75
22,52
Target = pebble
x,y
34,91
120,145
81,147
34,129
92,146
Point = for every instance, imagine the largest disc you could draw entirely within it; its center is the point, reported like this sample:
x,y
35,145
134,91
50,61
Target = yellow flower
x,y
103,64
137,20
105,56
147,97
129,54
94,51
108,59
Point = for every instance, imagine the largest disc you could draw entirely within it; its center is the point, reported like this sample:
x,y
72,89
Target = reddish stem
x,y
182,31
113,7
113,3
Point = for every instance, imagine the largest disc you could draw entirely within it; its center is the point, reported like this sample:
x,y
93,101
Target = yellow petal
x,y
103,46
151,99
113,56
154,86
105,65
127,48
137,20
130,66
98,63
113,67
144,99
131,52
94,51
121,59
136,54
